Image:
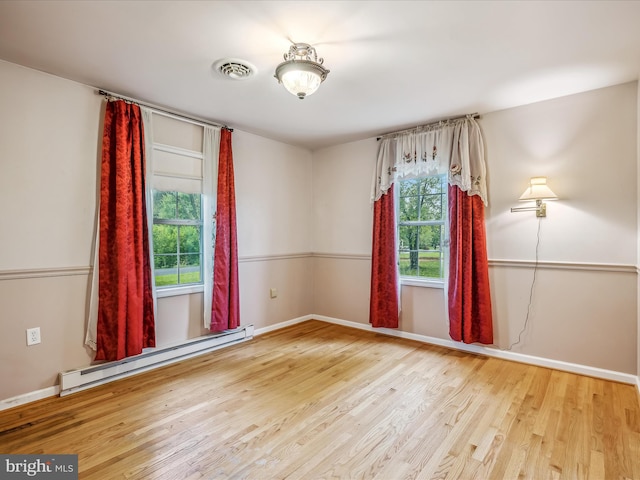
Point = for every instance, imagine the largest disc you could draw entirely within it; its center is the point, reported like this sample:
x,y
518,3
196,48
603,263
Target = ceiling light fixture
x,y
302,72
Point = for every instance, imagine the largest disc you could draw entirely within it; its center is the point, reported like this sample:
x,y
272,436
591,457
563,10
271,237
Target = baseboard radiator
x,y
79,379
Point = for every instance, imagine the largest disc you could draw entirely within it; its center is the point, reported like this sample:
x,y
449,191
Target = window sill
x,y
181,290
419,282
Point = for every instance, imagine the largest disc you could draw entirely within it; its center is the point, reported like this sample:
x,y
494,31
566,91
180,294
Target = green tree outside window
x,y
177,246
422,208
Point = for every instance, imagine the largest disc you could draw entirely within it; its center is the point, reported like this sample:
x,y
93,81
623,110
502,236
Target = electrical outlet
x,y
33,336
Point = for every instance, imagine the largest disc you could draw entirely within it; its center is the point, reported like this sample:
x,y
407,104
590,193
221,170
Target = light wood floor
x,y
323,401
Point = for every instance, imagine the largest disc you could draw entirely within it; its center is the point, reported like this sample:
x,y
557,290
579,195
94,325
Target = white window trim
x,y
406,279
181,289
178,150
173,291
420,282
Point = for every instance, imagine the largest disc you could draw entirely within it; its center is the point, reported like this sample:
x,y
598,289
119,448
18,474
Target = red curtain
x,y
125,298
384,302
470,316
226,293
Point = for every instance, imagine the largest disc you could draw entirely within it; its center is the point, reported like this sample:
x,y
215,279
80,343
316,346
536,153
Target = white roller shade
x,y
176,168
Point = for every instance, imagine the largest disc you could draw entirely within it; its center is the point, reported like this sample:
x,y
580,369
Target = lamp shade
x,y
538,190
299,78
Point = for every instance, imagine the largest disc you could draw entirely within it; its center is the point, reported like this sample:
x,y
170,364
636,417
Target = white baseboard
x,y
29,397
493,352
287,323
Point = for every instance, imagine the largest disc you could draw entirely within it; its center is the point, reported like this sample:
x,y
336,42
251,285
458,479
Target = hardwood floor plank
x,y
316,400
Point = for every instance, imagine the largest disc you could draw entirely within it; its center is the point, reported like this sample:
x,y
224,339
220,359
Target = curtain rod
x,y
164,111
471,115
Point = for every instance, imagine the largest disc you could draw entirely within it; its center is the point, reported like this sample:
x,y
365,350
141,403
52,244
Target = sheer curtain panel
x,y
211,154
147,122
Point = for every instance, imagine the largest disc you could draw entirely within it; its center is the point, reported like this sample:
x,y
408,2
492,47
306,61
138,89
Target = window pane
x,y
431,185
166,261
166,269
430,242
165,258
189,206
420,246
408,200
164,204
408,208
431,207
430,237
409,187
177,247
431,264
189,239
190,271
190,258
408,237
165,240
406,260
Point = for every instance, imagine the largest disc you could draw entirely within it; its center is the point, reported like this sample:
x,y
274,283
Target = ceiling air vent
x,y
234,69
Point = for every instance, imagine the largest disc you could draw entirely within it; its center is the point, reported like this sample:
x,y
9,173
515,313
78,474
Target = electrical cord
x,y
533,283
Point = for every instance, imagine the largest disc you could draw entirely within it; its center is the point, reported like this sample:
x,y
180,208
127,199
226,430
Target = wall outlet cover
x,y
33,336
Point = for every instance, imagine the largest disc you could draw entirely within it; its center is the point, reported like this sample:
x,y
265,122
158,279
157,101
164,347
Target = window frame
x,y
180,288
416,281
175,136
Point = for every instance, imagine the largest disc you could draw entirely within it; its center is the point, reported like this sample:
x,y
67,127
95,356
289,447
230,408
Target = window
x,y
422,209
177,182
177,238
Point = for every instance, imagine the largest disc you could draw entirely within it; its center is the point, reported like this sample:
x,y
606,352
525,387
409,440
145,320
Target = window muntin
x,y
177,238
421,213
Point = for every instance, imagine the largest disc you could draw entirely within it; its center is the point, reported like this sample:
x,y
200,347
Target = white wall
x,y
342,229
49,150
48,156
586,145
273,196
273,200
48,153
581,312
342,212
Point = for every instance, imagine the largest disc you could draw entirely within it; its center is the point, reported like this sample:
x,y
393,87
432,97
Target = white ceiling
x,y
394,64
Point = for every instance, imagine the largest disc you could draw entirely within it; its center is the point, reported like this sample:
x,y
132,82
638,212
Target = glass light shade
x,y
301,83
538,190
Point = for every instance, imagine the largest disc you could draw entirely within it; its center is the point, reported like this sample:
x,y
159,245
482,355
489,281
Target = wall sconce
x,y
302,72
538,191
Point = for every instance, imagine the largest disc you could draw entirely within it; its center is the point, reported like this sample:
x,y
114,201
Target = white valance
x,y
453,147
